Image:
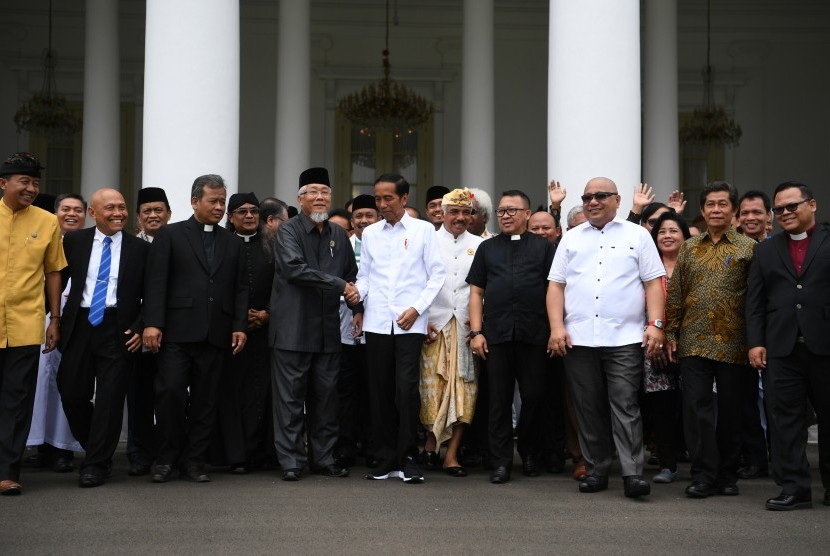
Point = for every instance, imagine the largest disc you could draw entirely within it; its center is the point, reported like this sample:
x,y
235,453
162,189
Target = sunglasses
x,y
792,207
601,196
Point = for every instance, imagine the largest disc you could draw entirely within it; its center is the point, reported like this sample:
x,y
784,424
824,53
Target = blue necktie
x,y
99,294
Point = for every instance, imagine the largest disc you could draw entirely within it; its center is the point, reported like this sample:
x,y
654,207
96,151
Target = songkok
x,y
458,197
151,195
315,175
24,164
436,192
239,199
364,202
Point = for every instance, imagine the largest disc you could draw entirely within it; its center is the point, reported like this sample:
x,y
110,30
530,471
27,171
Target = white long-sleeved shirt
x,y
400,267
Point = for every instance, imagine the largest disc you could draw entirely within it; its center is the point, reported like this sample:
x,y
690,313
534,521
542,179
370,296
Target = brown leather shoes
x,y
10,488
580,473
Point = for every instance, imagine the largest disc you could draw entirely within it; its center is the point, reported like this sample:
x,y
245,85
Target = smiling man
x,y
196,305
754,214
101,330
30,249
508,327
787,330
315,265
153,212
706,331
434,212
605,281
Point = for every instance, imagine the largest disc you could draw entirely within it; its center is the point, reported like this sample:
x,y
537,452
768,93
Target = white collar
x,y
246,238
798,237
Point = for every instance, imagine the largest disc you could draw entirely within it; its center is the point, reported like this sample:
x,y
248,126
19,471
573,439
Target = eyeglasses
x,y
242,212
315,193
600,196
652,221
792,207
512,211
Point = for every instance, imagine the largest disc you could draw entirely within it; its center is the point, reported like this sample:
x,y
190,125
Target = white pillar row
x,y
191,96
661,166
478,120
293,139
101,153
594,95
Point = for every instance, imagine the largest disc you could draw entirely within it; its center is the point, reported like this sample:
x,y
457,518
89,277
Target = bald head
x,y
109,210
543,224
600,201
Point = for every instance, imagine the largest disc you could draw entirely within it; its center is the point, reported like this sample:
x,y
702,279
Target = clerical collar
x,y
246,238
208,227
515,237
802,235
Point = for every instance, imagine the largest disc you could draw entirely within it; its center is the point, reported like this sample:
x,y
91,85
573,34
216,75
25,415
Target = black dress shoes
x,y
593,483
62,465
635,486
194,474
752,472
729,489
827,497
332,471
291,475
530,466
239,469
138,470
90,480
162,473
787,502
698,490
500,475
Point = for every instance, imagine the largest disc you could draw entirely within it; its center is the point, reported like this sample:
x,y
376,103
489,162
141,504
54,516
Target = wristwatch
x,y
656,323
474,333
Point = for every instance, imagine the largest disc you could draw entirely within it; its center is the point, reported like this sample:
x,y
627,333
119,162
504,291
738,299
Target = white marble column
x,y
101,154
594,95
191,96
293,143
478,124
661,168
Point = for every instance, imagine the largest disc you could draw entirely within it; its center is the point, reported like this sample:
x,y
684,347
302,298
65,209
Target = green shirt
x,y
705,305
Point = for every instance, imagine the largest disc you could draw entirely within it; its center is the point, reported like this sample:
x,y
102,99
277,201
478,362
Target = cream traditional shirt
x,y
454,297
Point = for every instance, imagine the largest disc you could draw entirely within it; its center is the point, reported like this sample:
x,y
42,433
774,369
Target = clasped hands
x,y
351,294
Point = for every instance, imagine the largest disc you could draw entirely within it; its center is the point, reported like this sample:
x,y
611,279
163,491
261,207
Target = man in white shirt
x,y
401,272
605,274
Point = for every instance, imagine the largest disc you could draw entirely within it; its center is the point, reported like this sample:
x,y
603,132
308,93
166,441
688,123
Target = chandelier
x,y
47,112
386,104
709,124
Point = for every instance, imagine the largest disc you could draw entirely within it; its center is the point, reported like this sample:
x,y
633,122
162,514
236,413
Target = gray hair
x,y
485,204
572,215
211,181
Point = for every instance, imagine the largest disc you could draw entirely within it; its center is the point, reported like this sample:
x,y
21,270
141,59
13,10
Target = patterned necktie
x,y
99,294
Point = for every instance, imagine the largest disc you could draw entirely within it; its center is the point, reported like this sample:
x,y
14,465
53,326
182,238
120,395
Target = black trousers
x,y
476,437
788,383
18,378
553,412
353,393
185,421
713,423
95,364
141,421
303,380
662,409
508,363
393,364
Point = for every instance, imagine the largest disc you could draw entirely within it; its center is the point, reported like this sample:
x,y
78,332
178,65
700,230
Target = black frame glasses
x,y
790,207
510,211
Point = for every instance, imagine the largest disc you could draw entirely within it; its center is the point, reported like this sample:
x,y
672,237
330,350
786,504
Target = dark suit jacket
x,y
188,300
131,267
780,303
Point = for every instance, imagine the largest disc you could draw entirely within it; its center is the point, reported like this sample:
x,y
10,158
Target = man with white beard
x,y
315,265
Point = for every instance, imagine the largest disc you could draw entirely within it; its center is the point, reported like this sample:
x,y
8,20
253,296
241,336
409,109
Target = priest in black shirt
x,y
509,328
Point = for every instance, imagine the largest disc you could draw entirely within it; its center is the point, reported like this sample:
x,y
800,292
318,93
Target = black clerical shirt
x,y
514,277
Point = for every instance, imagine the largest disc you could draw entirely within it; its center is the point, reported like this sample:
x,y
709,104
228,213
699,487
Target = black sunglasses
x,y
601,196
792,207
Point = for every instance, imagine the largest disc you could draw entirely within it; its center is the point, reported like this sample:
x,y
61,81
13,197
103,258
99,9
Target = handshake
x,y
351,294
